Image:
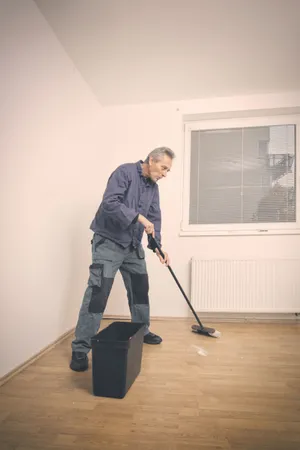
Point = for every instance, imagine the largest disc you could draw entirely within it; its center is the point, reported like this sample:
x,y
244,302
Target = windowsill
x,y
194,233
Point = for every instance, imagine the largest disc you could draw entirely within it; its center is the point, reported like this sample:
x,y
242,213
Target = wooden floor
x,y
244,395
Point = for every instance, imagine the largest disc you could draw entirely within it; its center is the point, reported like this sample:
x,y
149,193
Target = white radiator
x,y
260,285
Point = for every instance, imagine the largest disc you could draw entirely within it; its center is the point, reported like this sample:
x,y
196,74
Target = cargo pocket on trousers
x,y
101,287
100,242
140,252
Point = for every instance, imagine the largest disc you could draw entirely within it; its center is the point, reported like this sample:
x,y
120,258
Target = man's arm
x,y
113,205
154,216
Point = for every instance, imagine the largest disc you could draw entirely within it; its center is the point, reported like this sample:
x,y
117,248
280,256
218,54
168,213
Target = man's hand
x,y
149,227
165,260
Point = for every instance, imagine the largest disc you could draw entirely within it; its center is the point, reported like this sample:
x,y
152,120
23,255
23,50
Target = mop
x,y
200,328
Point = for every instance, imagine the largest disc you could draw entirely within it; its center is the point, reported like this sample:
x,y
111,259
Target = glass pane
x,y
216,166
275,194
243,175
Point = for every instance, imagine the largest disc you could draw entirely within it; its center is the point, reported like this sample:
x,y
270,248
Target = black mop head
x,y
206,331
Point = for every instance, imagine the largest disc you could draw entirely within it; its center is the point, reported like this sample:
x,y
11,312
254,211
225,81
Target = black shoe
x,y
79,362
151,338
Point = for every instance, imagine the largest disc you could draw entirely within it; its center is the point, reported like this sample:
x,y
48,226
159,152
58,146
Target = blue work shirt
x,y
128,193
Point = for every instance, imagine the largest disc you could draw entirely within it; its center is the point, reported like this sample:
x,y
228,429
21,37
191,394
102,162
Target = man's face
x,y
159,169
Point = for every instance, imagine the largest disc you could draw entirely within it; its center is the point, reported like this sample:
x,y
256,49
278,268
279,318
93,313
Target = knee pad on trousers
x,y
101,287
140,288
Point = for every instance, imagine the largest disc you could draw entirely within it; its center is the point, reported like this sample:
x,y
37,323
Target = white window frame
x,y
238,228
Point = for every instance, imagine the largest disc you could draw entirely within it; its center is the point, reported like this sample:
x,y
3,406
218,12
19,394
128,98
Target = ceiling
x,y
133,51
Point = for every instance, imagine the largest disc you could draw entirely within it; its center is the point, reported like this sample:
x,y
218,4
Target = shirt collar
x,y
139,167
140,171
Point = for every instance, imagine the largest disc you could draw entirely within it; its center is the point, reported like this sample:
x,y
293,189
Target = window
x,y
240,176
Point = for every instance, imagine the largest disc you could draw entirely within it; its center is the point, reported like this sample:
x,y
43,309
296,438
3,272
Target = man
x,y
130,206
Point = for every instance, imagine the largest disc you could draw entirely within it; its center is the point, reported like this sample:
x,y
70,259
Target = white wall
x,y
57,149
132,131
51,165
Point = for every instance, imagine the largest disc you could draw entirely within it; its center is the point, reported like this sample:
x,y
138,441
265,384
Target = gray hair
x,y
158,152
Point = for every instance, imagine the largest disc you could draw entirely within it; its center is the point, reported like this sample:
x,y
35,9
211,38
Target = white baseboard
x,y
34,358
226,317
250,317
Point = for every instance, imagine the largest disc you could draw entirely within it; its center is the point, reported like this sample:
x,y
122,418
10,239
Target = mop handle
x,y
176,280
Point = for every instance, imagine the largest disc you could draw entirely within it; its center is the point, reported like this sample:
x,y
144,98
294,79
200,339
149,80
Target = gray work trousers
x,y
107,258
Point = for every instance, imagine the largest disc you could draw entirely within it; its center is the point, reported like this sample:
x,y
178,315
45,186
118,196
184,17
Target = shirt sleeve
x,y
112,202
154,215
